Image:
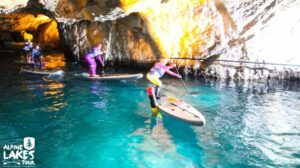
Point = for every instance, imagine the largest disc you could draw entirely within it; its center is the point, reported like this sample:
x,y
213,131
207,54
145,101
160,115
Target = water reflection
x,y
157,147
54,93
49,94
163,145
99,91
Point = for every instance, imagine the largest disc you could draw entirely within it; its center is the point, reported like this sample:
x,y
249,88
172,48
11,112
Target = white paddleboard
x,y
24,62
180,110
111,77
42,72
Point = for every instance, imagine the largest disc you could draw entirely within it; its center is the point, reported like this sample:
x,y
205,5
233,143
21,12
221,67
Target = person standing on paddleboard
x,y
27,49
157,71
36,57
90,59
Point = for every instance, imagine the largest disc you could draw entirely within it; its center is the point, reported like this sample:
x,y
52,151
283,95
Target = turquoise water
x,y
79,123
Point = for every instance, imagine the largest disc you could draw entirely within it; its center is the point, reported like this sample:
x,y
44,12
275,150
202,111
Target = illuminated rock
x,y
141,31
39,28
27,36
48,34
17,22
80,37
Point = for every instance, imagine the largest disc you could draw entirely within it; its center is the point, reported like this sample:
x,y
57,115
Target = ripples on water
x,y
249,124
94,124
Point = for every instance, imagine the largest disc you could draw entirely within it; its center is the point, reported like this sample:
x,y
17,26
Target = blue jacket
x,y
36,53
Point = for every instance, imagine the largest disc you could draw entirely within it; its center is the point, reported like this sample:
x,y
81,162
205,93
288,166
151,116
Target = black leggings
x,y
37,62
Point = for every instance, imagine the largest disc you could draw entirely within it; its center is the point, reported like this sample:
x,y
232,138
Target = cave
x,y
18,27
138,33
149,83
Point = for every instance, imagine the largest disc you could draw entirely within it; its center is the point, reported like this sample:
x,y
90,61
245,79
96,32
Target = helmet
x,y
99,45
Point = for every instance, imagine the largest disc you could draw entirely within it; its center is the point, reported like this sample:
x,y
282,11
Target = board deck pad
x,y
112,76
180,110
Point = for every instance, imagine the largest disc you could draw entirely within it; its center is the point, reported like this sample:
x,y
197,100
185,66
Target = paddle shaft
x,y
183,84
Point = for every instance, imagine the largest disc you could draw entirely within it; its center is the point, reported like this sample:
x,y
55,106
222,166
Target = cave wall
x,y
82,9
240,30
36,27
81,36
11,5
22,21
48,35
125,40
131,42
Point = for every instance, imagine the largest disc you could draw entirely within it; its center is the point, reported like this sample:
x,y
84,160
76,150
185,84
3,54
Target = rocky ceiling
x,y
129,33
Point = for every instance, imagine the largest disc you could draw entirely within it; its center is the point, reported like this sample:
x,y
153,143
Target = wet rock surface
x,y
241,31
8,6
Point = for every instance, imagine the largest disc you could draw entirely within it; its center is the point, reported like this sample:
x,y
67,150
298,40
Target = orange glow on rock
x,y
40,28
54,61
139,49
48,34
26,36
22,21
179,28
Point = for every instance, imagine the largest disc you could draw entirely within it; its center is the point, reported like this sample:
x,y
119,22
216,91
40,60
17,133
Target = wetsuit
x,y
90,59
157,72
36,57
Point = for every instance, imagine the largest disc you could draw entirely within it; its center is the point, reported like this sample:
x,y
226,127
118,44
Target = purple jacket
x,y
96,52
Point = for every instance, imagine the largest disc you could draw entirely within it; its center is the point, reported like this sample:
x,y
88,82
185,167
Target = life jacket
x,y
157,71
94,52
27,46
36,53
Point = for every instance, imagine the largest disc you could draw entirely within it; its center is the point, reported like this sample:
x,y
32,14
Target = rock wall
x,y
125,40
246,34
266,40
48,34
81,36
8,6
36,27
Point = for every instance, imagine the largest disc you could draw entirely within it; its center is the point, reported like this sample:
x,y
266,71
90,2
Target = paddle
x,y
184,85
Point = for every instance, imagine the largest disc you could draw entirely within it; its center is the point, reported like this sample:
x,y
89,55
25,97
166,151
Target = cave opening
x,y
16,28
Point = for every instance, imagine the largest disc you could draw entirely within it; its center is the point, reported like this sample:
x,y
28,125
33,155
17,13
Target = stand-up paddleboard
x,y
111,77
180,110
42,72
176,108
24,62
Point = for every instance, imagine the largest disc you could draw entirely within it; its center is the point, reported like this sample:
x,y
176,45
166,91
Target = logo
x,y
29,143
19,155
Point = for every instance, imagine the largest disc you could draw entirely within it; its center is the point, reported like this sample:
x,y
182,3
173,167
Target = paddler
x,y
90,59
37,56
27,49
157,71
